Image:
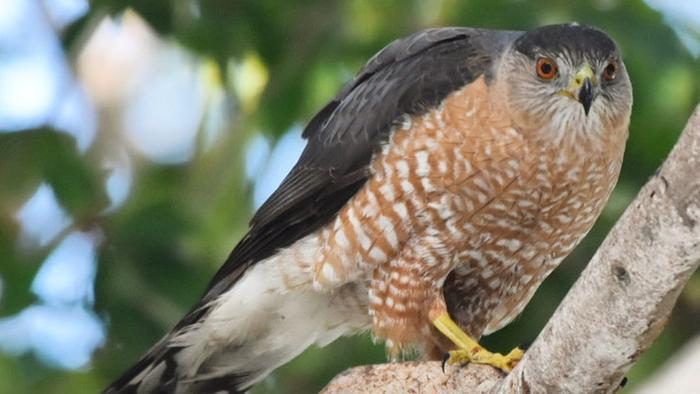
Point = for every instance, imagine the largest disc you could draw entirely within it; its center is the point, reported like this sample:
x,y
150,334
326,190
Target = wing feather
x,y
408,77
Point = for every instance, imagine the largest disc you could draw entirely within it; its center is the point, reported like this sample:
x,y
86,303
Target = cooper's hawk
x,y
436,192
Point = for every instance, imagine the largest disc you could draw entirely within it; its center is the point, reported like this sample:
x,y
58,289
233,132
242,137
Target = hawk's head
x,y
566,79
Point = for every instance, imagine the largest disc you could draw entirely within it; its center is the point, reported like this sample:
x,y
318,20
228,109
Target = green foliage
x,y
35,155
181,221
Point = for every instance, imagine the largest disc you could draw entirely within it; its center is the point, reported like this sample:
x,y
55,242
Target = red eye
x,y
610,71
546,68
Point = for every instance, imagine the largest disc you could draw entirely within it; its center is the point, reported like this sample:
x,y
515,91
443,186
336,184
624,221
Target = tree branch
x,y
614,311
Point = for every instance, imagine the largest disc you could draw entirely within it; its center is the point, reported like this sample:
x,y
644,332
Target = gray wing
x,y
408,77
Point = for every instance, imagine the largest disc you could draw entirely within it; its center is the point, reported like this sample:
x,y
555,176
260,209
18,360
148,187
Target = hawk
x,y
436,192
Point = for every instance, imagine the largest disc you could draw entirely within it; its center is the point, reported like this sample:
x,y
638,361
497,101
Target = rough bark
x,y
415,377
611,315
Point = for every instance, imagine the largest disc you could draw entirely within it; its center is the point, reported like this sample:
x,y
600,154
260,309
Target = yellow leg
x,y
470,351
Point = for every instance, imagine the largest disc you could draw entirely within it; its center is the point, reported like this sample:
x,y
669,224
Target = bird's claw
x,y
445,358
479,355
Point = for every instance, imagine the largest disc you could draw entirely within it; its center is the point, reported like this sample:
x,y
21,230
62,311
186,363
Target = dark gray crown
x,y
572,38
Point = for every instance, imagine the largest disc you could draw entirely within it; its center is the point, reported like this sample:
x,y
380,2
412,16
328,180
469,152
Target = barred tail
x,y
159,372
236,339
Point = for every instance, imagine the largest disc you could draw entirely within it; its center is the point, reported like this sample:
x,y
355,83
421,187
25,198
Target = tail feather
x,y
235,339
160,372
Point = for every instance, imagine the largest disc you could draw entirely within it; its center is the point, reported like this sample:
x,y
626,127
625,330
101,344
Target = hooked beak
x,y
582,87
585,95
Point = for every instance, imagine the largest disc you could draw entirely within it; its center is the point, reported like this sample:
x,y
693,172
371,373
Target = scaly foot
x,y
479,355
470,351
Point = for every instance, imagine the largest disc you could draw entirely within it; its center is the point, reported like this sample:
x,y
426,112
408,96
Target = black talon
x,y
623,382
445,357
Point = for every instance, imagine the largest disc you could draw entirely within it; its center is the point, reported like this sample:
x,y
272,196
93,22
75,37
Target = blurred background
x,y
138,136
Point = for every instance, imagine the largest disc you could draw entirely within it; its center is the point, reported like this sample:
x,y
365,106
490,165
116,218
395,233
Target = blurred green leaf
x,y
29,157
